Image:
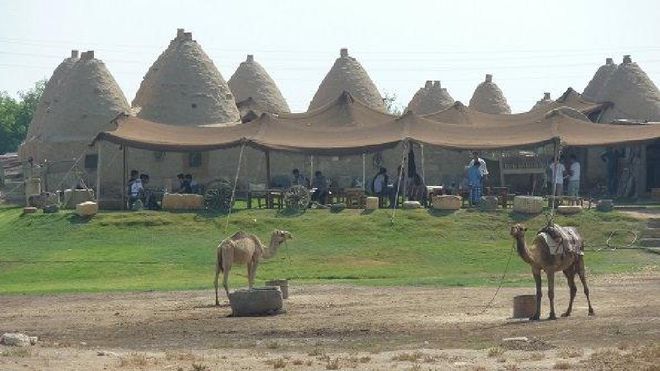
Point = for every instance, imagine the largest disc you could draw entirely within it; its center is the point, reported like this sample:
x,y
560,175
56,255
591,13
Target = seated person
x,y
135,188
417,190
193,186
181,179
321,193
379,185
299,179
148,198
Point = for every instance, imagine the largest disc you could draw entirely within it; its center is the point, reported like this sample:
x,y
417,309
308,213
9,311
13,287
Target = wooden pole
x,y
98,172
364,171
123,177
311,168
268,180
421,151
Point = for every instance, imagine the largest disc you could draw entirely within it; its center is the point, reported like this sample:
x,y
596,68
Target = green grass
x,y
43,253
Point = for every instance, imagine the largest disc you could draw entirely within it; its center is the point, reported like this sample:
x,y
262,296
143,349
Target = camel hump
x,y
240,235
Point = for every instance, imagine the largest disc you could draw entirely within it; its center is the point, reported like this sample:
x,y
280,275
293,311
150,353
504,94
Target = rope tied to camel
x,y
499,286
233,190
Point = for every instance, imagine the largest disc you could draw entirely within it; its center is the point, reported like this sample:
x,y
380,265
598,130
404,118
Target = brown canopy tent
x,y
348,127
463,115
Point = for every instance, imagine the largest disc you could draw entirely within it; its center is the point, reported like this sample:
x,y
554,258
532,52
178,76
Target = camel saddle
x,y
562,240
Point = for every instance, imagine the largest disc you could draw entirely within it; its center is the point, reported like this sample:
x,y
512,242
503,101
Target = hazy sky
x,y
529,46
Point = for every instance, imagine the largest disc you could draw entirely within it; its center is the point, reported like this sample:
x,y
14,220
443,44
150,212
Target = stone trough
x,y
258,301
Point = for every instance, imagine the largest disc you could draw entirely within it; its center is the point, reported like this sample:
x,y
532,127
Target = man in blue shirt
x,y
475,177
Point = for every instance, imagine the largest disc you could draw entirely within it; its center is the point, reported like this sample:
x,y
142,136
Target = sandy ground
x,y
337,327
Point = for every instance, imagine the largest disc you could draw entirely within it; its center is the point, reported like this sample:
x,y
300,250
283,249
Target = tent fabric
x,y
349,127
463,115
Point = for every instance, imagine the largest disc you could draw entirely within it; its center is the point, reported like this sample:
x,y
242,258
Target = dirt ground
x,y
338,327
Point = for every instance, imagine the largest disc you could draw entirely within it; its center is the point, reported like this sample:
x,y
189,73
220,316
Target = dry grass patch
x,y
272,345
297,362
570,353
333,364
641,358
408,357
277,362
495,352
200,367
316,352
562,365
180,356
536,356
17,352
511,367
135,359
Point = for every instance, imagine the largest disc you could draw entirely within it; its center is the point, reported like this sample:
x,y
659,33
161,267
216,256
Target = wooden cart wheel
x,y
217,196
297,197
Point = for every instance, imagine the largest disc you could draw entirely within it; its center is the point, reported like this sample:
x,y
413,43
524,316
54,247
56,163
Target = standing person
x,y
611,156
379,185
573,176
320,182
482,164
475,177
417,190
191,185
558,169
180,178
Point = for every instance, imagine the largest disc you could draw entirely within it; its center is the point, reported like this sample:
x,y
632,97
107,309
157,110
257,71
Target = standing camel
x,y
244,248
538,256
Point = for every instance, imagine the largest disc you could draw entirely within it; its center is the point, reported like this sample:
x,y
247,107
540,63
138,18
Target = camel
x,y
539,258
245,248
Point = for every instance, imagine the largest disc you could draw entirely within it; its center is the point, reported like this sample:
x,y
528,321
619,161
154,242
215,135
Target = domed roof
x,y
488,98
633,94
50,96
431,98
252,81
183,87
348,75
594,89
87,100
546,102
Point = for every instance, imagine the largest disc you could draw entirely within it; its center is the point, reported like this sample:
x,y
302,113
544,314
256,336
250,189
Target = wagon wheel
x,y
297,197
217,196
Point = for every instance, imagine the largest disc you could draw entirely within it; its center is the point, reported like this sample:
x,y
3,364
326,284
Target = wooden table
x,y
272,197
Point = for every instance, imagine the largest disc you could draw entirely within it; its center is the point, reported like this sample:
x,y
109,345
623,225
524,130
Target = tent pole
x,y
123,178
311,168
364,171
421,151
268,182
554,183
98,172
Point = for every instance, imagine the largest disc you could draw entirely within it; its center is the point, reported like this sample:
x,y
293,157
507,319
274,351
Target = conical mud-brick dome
x,y
633,94
252,81
429,99
543,103
594,89
50,96
347,75
183,87
85,100
488,98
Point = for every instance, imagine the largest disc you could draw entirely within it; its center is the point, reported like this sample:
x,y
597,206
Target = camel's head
x,y
518,230
281,236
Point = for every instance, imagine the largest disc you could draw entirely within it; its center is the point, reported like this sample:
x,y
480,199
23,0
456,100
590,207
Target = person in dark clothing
x,y
321,193
379,185
611,156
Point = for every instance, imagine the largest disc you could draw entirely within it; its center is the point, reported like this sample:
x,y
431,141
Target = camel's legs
x,y
252,273
539,294
551,294
570,277
583,278
215,282
250,267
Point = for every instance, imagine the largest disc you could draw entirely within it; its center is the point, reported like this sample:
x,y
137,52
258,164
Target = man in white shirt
x,y
482,167
558,169
574,176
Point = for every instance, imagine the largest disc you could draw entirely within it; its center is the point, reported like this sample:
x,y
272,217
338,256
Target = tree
x,y
15,116
391,104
